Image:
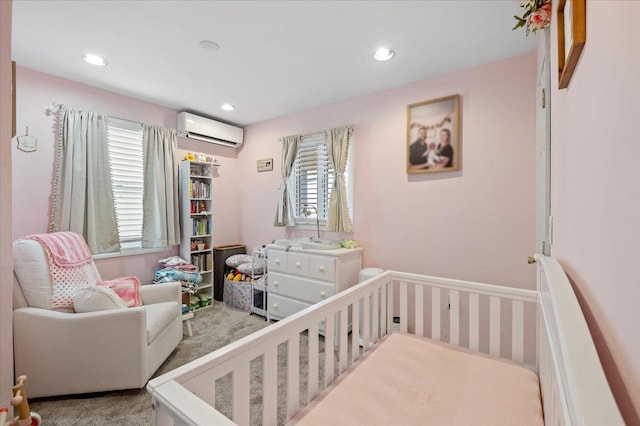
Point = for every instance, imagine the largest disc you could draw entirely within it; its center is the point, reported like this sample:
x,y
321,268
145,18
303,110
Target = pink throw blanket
x,y
67,249
70,265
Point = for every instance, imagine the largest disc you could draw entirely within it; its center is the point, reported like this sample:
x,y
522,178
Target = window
x,y
313,180
127,175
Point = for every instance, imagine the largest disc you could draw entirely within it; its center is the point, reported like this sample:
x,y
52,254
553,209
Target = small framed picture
x,y
195,170
433,135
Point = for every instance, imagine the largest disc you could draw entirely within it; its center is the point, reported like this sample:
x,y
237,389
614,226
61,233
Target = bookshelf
x,y
196,217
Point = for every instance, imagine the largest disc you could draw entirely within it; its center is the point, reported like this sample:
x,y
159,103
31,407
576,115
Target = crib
x,y
543,330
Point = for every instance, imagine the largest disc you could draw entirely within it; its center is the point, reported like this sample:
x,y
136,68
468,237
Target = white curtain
x,y
160,220
338,151
82,193
284,215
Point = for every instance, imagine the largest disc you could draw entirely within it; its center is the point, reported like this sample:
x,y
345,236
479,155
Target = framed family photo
x,y
433,135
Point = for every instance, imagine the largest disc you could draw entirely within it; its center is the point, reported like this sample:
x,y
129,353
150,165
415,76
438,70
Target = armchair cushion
x,y
31,267
43,288
159,316
96,298
128,288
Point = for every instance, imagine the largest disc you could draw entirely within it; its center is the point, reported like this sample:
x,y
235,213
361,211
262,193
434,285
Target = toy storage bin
x,y
220,255
237,294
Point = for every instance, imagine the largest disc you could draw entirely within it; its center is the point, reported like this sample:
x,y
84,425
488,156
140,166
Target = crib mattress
x,y
408,380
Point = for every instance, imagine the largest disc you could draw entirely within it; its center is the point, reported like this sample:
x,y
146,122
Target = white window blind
x,y
313,179
127,162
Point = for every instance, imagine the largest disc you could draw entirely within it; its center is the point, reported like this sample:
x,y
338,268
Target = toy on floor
x,y
21,406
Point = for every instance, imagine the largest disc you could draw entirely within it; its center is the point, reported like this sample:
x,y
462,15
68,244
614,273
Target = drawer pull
x,y
275,283
322,294
321,269
275,306
297,264
277,261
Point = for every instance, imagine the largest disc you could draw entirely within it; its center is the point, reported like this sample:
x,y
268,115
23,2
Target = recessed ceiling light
x,y
227,107
94,60
383,54
209,45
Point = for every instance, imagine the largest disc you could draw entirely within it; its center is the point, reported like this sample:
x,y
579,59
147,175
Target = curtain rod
x,y
319,131
55,107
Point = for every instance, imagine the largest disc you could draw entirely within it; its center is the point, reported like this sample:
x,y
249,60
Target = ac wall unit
x,y
205,129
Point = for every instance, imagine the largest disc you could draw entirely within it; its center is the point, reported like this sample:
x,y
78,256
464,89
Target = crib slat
x,y
312,388
474,321
435,313
390,307
366,323
517,331
494,325
344,331
454,316
419,300
329,372
355,331
270,385
404,317
375,316
293,375
384,290
241,393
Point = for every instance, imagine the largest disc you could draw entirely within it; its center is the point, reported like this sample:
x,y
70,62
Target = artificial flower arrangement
x,y
537,15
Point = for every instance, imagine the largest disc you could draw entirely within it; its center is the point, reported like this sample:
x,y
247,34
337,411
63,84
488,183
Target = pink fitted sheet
x,y
408,380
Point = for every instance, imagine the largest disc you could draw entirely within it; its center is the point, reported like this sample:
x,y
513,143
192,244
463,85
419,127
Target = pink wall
x,y
476,224
33,172
6,259
595,185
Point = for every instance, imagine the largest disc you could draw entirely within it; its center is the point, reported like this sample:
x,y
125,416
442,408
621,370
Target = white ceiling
x,y
275,57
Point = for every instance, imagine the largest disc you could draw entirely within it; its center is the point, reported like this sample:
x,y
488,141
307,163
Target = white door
x,y
543,147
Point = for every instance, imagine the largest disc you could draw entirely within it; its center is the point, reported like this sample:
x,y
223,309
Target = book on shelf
x,y
198,207
204,261
200,227
198,189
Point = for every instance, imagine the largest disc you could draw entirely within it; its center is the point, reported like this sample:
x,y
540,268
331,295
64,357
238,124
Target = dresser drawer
x,y
322,268
277,261
297,288
298,264
281,307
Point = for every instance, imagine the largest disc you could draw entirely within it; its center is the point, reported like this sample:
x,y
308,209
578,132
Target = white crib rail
x,y
509,333
187,395
573,385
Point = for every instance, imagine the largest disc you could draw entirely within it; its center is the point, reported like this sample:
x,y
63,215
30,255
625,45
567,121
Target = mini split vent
x,y
205,129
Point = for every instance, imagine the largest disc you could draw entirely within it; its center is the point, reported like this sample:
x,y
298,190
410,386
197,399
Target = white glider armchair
x,y
64,352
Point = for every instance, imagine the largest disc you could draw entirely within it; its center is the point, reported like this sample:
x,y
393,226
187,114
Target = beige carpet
x,y
212,328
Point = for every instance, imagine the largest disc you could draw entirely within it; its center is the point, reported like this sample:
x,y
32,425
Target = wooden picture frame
x,y
433,135
572,36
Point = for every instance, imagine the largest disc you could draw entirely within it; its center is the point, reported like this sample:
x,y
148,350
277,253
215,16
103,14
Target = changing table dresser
x,y
299,278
